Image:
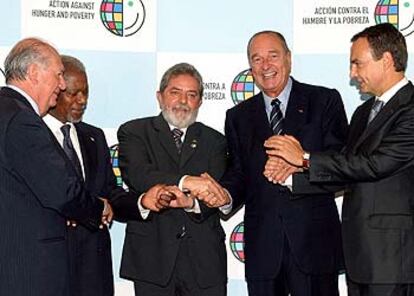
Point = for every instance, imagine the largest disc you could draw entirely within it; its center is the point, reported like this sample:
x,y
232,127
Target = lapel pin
x,y
300,110
92,139
193,144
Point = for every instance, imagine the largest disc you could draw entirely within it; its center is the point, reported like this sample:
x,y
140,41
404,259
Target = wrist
x,y
191,207
306,160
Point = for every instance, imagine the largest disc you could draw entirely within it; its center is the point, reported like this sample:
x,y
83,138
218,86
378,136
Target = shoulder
x,y
138,123
245,106
317,91
89,129
209,132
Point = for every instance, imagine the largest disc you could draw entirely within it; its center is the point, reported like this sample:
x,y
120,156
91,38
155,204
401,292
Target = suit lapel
x,y
259,120
89,152
165,137
399,99
296,111
191,142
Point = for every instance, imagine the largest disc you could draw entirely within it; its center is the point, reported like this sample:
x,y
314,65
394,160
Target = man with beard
x,y
174,244
90,251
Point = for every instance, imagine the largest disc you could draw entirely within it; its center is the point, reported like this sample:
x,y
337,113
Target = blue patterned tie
x,y
69,150
276,117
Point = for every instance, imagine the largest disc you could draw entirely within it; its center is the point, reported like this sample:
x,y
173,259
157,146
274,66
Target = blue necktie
x,y
69,150
276,117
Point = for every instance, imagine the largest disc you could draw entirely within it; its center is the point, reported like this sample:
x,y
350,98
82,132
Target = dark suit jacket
x,y
148,156
39,191
377,214
91,250
316,117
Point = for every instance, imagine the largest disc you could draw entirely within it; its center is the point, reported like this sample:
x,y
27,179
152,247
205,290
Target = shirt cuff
x,y
143,212
196,209
180,184
226,209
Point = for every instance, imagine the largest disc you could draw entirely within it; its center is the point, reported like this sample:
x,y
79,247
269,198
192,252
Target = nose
x,y
353,73
81,98
183,98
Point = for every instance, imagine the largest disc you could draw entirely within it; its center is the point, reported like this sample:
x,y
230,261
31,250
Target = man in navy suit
x,y
39,188
292,240
91,263
377,164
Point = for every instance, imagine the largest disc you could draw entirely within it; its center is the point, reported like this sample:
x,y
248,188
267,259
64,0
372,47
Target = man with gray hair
x,y
174,244
39,189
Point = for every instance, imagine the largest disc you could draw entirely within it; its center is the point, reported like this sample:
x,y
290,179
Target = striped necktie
x,y
177,134
276,117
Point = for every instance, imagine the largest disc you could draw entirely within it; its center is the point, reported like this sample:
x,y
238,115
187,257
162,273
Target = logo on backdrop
x,y
123,18
400,13
237,242
243,87
113,151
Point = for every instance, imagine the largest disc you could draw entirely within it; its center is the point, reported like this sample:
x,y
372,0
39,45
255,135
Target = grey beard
x,y
188,120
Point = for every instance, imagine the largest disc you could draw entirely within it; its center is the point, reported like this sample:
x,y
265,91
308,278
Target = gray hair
x,y
182,69
267,32
25,53
72,62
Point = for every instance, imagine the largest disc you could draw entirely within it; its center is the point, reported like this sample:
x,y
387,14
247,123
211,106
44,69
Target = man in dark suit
x,y
168,250
91,271
292,241
39,189
378,166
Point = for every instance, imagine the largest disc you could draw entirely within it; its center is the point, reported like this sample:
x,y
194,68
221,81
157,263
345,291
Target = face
x,y
71,103
365,70
270,64
180,101
49,82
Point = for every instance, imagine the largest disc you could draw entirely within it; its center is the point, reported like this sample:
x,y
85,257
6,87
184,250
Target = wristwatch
x,y
305,162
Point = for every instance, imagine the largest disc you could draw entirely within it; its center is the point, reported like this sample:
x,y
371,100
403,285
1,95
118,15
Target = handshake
x,y
204,188
285,157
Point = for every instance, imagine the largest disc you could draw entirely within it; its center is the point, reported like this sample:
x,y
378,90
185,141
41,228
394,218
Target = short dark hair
x,y
267,32
386,38
182,69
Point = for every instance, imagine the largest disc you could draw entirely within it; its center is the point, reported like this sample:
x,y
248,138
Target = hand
x,y
286,147
216,198
107,214
157,198
180,200
278,170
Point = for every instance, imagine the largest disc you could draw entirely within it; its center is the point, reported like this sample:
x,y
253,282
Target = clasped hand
x,y
285,155
161,196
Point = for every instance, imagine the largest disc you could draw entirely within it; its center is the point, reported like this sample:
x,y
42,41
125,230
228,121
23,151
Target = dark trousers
x,y
182,282
291,279
357,289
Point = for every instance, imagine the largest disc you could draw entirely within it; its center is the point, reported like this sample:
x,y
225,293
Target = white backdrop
x,y
126,45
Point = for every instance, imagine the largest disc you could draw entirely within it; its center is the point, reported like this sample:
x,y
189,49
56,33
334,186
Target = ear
x,y
159,98
388,60
33,73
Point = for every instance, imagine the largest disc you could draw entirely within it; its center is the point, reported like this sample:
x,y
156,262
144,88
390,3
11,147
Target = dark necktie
x,y
177,134
276,118
375,109
69,150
